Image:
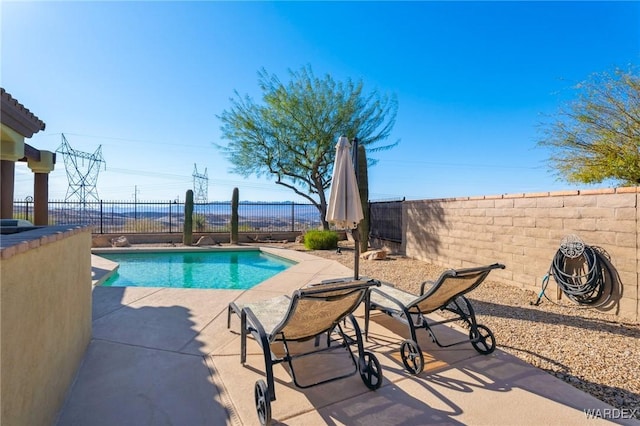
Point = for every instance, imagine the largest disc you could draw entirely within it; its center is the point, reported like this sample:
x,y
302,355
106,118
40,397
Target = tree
x,y
597,136
291,136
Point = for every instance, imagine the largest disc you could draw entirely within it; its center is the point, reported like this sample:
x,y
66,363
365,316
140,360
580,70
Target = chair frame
x,y
365,363
480,336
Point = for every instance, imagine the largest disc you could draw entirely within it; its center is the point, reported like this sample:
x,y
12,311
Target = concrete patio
x,y
163,356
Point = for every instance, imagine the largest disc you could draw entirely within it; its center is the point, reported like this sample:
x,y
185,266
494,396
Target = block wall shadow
x,y
131,375
424,223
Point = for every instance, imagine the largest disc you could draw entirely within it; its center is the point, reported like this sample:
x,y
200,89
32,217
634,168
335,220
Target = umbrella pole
x,y
356,253
356,230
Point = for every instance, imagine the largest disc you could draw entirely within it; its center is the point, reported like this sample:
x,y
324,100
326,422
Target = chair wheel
x,y
412,357
370,371
263,402
482,339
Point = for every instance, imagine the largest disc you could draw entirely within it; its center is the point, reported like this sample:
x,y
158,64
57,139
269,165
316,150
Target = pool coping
x,y
102,269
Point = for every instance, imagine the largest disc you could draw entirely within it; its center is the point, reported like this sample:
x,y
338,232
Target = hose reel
x,y
581,272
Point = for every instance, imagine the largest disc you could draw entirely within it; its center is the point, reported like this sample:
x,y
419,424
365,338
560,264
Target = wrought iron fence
x,y
127,217
385,220
131,217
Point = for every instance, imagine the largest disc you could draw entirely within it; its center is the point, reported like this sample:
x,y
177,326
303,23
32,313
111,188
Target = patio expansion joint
x,y
342,401
225,397
126,305
320,273
222,312
172,351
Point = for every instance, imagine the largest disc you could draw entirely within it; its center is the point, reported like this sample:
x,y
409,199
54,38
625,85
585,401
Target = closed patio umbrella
x,y
345,209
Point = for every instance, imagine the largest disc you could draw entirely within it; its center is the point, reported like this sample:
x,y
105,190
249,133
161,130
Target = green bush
x,y
142,225
199,221
321,240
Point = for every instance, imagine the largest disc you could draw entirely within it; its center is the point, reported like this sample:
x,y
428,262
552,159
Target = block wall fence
x,y
524,231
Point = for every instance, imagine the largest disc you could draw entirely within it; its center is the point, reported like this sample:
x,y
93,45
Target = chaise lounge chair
x,y
447,293
309,313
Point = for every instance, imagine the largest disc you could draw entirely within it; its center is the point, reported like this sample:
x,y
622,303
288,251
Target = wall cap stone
x,y
597,191
536,194
628,190
564,193
20,242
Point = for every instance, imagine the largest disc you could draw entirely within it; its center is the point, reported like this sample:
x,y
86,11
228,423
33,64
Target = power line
x,y
476,165
186,178
143,141
148,173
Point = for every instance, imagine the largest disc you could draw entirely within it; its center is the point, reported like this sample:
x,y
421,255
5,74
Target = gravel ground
x,y
585,348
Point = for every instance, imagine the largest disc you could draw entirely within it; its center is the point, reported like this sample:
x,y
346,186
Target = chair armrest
x,y
345,280
424,284
254,326
330,281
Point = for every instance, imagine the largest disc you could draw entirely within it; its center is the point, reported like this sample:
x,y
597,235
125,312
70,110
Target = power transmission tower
x,y
82,171
200,185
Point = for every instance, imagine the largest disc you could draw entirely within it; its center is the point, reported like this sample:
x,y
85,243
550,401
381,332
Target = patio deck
x,y
164,356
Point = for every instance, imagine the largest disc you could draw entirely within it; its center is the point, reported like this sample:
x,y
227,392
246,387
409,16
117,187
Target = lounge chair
x,y
308,314
446,293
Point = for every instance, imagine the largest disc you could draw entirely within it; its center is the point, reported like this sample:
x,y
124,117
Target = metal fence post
x,y
101,220
26,207
293,216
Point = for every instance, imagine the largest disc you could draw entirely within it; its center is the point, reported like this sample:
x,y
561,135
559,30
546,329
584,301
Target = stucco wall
x,y
524,231
45,287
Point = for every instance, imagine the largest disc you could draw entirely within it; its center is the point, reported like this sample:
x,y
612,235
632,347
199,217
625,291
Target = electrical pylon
x,y
200,185
82,171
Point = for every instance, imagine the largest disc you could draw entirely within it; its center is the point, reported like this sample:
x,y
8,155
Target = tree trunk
x,y
323,215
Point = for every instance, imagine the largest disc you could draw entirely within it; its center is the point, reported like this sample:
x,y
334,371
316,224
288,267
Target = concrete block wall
x,y
524,231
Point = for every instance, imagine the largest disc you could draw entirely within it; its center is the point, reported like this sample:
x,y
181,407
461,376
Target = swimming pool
x,y
237,270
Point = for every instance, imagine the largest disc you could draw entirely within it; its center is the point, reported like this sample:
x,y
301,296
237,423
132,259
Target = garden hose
x,y
586,286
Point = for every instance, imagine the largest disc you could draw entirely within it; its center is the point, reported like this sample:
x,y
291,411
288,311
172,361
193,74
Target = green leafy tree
x,y
597,136
291,135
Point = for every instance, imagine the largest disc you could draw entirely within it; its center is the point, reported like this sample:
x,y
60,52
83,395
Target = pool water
x,y
238,270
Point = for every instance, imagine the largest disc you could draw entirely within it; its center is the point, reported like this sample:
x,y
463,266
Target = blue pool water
x,y
239,270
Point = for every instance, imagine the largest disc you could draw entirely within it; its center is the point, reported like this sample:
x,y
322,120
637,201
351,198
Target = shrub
x,y
199,222
320,240
142,225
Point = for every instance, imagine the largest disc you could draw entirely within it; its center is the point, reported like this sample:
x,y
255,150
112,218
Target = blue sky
x,y
147,80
